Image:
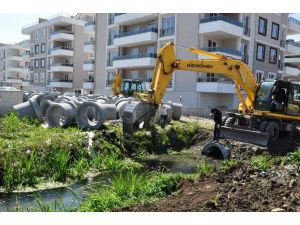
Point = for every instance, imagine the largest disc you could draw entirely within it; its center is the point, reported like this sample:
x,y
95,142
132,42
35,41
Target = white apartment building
x,y
128,42
14,65
292,53
57,54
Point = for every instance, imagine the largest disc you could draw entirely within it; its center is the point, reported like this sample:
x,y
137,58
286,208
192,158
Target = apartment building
x,y
57,54
292,53
127,43
14,65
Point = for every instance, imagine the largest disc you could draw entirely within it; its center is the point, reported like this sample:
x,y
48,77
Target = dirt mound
x,y
202,137
243,189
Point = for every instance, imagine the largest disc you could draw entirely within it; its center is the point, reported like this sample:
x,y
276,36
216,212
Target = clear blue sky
x,y
12,23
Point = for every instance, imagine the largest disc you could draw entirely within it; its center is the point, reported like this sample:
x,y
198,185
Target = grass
x,y
294,157
265,162
32,154
131,188
205,169
228,165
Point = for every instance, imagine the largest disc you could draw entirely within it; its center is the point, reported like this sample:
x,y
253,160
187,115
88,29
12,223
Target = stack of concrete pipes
x,y
89,111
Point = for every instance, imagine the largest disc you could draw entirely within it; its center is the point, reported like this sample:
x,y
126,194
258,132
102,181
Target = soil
x,y
242,188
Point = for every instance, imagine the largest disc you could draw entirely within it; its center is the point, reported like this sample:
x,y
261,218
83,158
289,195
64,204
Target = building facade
x,y
57,55
127,43
15,64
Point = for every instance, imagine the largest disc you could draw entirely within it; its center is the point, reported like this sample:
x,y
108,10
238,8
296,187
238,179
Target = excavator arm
x,y
235,69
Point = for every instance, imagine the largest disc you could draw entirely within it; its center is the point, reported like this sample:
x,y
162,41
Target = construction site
x,y
135,150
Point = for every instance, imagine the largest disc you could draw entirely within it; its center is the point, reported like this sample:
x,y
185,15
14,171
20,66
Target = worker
x,y
217,116
278,99
163,114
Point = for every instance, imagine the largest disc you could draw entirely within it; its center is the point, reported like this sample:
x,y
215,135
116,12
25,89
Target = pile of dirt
x,y
242,189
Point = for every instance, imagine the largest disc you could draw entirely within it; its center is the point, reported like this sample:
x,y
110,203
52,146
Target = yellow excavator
x,y
259,118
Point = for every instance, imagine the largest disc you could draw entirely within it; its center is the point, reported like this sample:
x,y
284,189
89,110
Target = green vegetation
x,y
205,169
131,188
294,157
265,162
228,165
31,154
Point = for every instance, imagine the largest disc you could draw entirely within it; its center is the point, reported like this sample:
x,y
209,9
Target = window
x,y
259,75
110,57
271,76
134,51
36,77
36,63
42,47
213,14
273,55
149,74
43,63
42,77
167,26
150,50
212,44
134,74
109,78
210,77
244,52
260,52
36,49
275,31
293,107
262,26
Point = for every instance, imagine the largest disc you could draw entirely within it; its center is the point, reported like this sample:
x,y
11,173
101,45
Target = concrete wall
x,y
100,57
79,57
8,99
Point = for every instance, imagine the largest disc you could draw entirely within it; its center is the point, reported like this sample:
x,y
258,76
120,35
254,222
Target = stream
x,y
177,163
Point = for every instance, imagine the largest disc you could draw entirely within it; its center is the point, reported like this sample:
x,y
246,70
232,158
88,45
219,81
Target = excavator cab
x,y
129,87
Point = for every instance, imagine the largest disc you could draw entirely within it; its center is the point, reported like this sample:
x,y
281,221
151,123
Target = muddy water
x,y
179,163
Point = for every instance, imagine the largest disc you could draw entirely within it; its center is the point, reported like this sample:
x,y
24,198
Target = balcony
x,y
221,26
26,57
135,61
223,51
215,85
89,47
57,83
13,80
293,26
61,67
88,84
292,47
90,27
62,35
291,70
292,59
18,69
14,58
88,65
138,37
61,51
131,18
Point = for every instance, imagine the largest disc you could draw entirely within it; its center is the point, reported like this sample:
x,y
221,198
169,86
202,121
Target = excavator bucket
x,y
245,135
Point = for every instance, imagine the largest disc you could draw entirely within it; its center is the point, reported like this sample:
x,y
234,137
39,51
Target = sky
x,y
11,25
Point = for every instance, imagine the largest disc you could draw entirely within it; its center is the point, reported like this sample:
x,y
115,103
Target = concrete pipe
x,y
216,150
25,109
60,114
120,108
89,115
176,110
44,107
